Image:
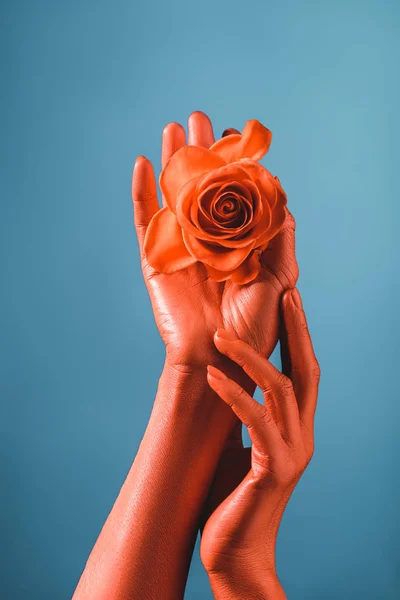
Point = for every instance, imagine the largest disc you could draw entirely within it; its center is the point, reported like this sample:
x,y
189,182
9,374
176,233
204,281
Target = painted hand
x,y
187,305
238,541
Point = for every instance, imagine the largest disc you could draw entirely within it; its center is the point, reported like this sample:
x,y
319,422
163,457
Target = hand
x,y
239,537
187,305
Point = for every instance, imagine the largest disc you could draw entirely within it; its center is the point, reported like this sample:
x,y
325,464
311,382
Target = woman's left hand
x,y
238,541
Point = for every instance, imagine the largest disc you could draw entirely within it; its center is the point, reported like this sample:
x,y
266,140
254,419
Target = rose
x,y
222,208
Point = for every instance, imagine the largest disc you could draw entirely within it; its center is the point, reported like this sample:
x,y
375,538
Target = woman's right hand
x,y
188,306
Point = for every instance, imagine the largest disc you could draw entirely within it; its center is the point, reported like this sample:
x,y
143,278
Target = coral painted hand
x,y
238,542
189,305
145,546
223,208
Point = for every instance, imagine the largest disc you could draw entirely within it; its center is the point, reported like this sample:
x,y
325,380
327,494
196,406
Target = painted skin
x,y
239,537
145,546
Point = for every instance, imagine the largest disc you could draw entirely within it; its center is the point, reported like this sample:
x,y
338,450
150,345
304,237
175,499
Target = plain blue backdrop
x,y
86,86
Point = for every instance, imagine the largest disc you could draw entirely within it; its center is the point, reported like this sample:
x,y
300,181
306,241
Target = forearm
x,y
146,543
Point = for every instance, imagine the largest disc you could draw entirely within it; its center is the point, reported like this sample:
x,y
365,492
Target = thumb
x,y
280,255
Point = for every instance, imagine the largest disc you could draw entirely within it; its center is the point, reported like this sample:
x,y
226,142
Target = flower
x,y
222,208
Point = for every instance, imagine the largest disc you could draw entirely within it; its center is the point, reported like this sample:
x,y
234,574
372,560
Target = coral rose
x,y
222,208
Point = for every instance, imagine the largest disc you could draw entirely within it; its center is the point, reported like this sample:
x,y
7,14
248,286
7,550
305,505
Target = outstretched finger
x,y
258,368
277,389
173,138
200,131
298,355
144,197
263,431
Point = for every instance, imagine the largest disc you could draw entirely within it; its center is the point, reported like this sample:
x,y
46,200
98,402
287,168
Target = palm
x,y
218,540
186,306
189,306
225,509
233,466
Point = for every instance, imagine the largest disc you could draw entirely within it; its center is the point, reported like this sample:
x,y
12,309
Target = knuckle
x,y
303,327
287,471
291,404
316,372
240,351
303,454
297,467
240,392
141,223
146,196
309,451
285,384
241,361
265,416
309,457
267,390
291,465
313,373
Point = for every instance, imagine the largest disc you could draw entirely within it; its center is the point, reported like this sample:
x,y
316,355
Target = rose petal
x,y
247,271
262,176
163,244
225,174
277,219
187,163
253,143
266,217
218,275
273,192
216,256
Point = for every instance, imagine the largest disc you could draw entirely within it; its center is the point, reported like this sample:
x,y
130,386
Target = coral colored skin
x,y
145,546
238,541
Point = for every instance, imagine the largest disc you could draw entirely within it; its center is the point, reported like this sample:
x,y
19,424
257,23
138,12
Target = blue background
x,y
87,86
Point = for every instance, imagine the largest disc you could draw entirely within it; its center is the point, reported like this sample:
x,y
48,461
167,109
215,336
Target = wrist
x,y
185,366
191,355
187,408
194,359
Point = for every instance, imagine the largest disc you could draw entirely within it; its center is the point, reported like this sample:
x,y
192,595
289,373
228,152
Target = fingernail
x,y
226,335
139,160
216,373
297,299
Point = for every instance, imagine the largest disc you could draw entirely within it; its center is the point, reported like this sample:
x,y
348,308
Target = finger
x,y
173,138
262,428
144,196
200,130
258,368
298,355
277,389
229,131
280,256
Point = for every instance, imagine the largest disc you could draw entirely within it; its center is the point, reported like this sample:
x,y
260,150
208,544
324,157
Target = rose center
x,y
229,205
225,208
